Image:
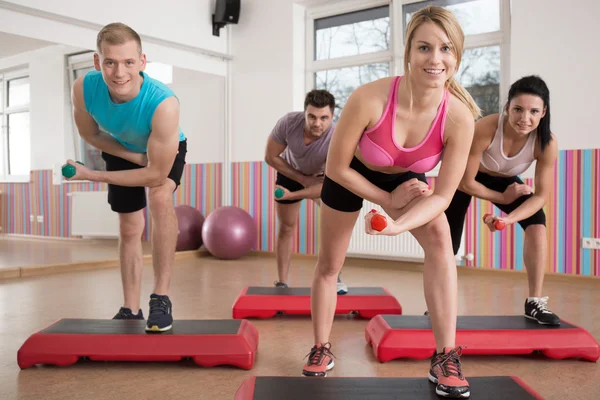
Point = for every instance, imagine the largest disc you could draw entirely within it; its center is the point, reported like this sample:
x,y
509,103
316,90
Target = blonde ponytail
x,y
464,96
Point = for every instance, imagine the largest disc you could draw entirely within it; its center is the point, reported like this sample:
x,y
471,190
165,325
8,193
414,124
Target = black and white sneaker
x,y
126,313
281,284
536,308
160,318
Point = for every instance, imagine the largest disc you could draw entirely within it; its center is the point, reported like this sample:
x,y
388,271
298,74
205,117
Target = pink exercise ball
x,y
229,233
190,221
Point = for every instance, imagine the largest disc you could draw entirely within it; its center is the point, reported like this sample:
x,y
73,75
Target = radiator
x,y
401,247
91,215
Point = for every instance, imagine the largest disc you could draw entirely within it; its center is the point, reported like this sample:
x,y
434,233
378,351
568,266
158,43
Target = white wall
x,y
263,78
182,21
186,27
202,114
49,94
558,41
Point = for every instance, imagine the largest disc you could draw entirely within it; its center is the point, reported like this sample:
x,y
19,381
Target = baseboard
x,y
22,236
415,266
51,269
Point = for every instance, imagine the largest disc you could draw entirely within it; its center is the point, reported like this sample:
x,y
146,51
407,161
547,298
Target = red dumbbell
x,y
499,225
378,222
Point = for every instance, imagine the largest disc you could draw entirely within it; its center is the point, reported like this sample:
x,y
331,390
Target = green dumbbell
x,y
279,193
68,170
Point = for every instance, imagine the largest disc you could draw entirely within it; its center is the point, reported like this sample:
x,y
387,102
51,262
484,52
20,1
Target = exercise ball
x,y
190,222
229,233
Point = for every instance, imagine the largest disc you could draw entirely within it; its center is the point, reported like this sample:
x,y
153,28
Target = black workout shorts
x,y
127,199
290,185
339,198
457,210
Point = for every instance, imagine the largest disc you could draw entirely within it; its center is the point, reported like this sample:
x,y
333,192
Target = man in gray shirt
x,y
297,149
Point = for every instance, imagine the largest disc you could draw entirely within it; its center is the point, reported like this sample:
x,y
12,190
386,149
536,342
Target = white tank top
x,y
493,158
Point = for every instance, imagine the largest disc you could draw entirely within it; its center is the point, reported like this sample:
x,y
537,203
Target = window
x,y
81,64
15,143
480,70
351,34
341,82
363,42
349,50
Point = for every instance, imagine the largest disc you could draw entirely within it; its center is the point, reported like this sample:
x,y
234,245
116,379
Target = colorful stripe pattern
x,y
200,187
572,213
253,186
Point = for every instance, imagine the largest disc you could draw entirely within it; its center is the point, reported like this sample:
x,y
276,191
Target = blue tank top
x,y
130,122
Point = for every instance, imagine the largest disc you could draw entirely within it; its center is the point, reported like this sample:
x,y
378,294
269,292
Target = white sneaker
x,y
342,288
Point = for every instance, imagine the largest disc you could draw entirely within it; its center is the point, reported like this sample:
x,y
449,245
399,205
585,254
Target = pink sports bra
x,y
378,145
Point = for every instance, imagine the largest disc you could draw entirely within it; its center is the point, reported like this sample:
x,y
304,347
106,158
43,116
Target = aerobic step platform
x,y
410,336
207,342
266,302
302,388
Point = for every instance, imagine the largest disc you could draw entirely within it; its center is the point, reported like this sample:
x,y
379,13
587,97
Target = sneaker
x,y
341,286
320,360
446,373
536,308
125,313
160,318
281,284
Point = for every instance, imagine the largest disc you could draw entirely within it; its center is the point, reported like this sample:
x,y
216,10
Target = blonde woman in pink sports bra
x,y
504,146
390,133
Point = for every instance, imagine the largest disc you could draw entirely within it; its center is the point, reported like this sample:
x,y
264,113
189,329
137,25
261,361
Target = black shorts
x,y
457,210
127,199
290,185
339,198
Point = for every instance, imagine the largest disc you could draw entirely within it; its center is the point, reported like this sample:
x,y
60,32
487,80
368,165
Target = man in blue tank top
x,y
144,148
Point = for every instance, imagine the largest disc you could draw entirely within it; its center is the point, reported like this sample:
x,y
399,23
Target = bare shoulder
x,y
77,91
377,89
169,106
460,119
166,116
370,98
550,152
485,128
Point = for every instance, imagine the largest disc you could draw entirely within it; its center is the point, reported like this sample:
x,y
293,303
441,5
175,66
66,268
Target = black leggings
x,y
339,198
457,210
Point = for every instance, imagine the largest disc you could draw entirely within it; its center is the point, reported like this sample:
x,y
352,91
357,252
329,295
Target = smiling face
x,y
432,60
121,65
525,112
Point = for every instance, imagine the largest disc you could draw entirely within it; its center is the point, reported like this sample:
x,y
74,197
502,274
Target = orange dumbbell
x,y
378,222
499,224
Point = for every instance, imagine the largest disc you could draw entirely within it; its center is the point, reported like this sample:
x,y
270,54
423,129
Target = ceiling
x,y
14,44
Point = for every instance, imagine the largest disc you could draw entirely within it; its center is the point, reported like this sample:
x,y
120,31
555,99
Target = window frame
x,y
5,111
395,56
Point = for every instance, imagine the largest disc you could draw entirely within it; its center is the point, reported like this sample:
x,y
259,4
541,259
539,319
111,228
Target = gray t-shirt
x,y
308,159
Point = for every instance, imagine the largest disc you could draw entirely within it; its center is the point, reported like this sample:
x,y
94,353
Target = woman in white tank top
x,y
504,146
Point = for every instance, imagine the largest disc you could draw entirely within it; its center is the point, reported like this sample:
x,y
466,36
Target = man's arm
x,y
89,131
311,192
273,158
162,148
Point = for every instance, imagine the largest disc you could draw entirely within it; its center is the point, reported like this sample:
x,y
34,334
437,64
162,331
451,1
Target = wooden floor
x,y
19,252
204,288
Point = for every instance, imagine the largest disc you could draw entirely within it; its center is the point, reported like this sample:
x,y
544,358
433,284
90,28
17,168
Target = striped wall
x,y
572,213
253,185
200,188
